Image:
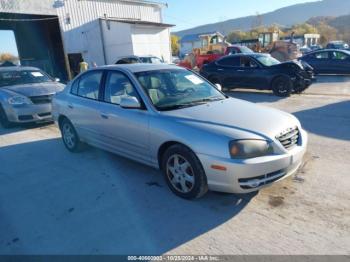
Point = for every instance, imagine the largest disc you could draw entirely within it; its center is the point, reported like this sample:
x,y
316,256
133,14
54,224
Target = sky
x,y
186,14
190,13
8,42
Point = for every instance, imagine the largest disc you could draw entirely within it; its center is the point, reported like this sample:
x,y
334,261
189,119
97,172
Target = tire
x,y
186,179
5,123
70,136
282,86
300,87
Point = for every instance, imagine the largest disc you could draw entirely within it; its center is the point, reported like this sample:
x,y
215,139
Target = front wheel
x,y
70,137
184,173
282,86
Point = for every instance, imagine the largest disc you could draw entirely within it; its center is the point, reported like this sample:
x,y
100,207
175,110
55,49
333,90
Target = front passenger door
x,y
125,131
228,68
340,62
252,75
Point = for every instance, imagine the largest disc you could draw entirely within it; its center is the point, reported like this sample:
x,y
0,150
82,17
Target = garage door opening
x,y
38,42
8,47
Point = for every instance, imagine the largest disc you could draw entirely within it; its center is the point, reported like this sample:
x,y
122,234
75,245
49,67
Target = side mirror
x,y
218,86
130,102
57,79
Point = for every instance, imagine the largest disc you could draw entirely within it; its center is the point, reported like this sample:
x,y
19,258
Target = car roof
x,y
18,68
247,54
148,56
135,68
128,56
329,50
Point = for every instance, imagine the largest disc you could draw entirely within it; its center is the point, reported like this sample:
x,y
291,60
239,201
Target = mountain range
x,y
284,17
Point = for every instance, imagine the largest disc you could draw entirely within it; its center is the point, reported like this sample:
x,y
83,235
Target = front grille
x,y
25,117
46,99
44,114
289,138
255,182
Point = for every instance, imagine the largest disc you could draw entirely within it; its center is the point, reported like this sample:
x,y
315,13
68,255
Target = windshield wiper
x,y
209,99
183,105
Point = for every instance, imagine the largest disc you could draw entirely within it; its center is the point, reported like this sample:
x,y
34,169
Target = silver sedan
x,y
25,95
172,119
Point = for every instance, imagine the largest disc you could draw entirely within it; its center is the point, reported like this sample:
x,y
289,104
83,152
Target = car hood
x,y
236,118
36,89
292,62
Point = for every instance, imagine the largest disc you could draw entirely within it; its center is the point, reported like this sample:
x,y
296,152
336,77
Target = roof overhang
x,y
145,2
136,22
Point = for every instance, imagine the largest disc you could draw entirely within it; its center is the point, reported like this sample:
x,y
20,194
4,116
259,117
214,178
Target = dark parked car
x,y
329,61
139,60
128,60
259,71
337,45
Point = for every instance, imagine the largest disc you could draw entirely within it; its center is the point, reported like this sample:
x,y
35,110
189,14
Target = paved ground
x,y
54,202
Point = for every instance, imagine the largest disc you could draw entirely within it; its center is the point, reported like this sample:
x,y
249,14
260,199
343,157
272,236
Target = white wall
x,y
36,7
81,30
118,40
151,40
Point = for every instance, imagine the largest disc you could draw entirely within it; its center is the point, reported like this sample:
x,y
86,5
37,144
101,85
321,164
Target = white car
x,y
174,120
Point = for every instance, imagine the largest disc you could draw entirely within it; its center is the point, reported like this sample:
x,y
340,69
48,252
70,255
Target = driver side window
x,y
247,62
117,86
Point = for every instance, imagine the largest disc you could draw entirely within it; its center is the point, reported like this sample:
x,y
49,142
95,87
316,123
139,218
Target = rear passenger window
x,y
74,87
89,85
230,61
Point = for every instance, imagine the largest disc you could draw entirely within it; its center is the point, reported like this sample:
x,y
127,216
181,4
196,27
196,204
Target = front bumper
x,y
29,113
245,176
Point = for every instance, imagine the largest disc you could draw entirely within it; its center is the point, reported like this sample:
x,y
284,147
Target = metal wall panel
x,y
74,13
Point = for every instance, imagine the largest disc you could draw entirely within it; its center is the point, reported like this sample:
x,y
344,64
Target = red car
x,y
193,61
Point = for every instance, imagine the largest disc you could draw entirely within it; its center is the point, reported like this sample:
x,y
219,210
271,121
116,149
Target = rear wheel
x,y
282,86
70,137
184,173
3,118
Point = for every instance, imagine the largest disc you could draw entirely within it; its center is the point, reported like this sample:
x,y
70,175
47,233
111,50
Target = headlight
x,y
244,149
19,100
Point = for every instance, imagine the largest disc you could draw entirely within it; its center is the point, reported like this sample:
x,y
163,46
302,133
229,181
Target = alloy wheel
x,y
180,173
68,135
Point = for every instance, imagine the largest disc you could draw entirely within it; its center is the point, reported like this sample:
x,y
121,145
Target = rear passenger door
x,y
83,106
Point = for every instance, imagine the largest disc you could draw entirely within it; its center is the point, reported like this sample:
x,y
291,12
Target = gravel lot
x,y
55,202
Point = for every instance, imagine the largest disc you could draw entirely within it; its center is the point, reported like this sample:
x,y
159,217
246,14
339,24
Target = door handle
x,y
70,106
104,116
241,70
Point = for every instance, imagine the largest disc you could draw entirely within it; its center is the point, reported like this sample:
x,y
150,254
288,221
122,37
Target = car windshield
x,y
23,77
151,60
267,60
177,88
246,50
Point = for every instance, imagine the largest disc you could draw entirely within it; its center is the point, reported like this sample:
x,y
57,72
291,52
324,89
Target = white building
x,y
103,30
100,31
